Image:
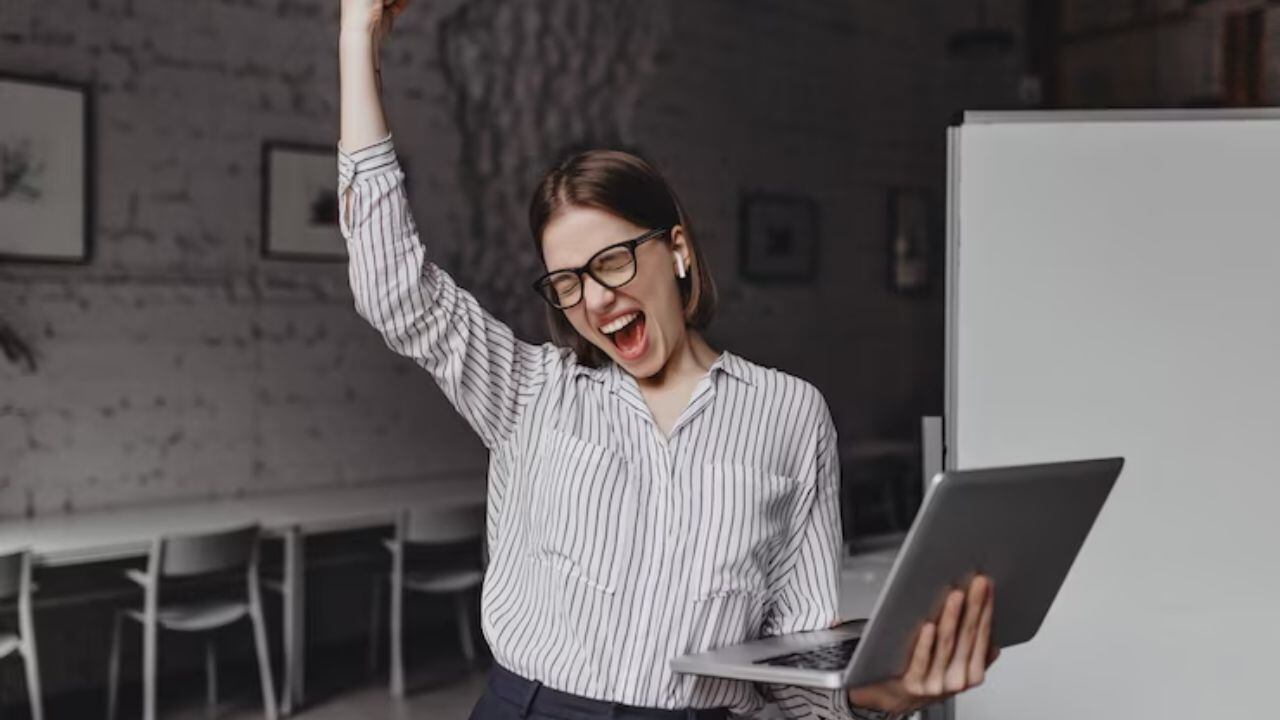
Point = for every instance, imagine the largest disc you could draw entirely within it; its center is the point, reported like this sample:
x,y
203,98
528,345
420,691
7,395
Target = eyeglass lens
x,y
612,268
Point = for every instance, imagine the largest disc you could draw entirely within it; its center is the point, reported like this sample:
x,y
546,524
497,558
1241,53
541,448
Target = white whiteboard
x,y
1116,291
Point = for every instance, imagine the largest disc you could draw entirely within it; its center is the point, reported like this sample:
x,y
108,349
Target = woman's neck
x,y
691,359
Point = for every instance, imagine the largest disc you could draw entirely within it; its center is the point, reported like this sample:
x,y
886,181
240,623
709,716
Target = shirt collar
x,y
610,373
734,366
597,374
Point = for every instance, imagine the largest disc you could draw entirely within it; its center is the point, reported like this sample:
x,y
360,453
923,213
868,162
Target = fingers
x,y
393,8
959,669
945,645
385,16
984,653
917,670
386,21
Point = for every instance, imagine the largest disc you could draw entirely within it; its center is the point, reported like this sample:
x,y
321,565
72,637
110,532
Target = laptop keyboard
x,y
824,657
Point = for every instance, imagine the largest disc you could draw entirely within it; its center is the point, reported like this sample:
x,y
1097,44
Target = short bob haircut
x,y
630,188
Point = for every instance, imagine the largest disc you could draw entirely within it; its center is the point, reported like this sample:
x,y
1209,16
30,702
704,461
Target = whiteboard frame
x,y
947,709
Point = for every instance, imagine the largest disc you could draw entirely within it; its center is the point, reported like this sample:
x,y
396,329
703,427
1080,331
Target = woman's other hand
x,y
951,655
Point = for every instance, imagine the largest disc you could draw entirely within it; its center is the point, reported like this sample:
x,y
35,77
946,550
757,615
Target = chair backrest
x,y
205,553
435,525
11,571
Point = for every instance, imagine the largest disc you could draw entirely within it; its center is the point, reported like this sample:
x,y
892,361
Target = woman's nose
x,y
595,295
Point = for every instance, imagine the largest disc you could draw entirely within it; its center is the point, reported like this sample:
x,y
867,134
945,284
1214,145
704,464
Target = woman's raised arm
x,y
365,24
485,372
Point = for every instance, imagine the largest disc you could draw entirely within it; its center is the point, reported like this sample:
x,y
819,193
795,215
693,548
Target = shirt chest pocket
x,y
740,517
583,509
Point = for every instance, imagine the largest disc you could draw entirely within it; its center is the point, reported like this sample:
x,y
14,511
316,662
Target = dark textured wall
x,y
1160,54
527,82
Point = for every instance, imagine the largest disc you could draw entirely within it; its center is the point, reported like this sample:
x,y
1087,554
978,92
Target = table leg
x,y
293,691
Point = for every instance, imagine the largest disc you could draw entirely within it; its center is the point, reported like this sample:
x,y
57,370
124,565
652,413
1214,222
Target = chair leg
x,y
113,669
211,678
33,681
397,638
32,661
269,700
464,628
295,622
150,663
375,622
286,638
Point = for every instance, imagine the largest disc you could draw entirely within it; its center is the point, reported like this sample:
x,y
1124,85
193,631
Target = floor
x,y
441,695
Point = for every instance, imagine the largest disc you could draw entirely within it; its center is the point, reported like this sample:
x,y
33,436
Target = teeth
x,y
619,323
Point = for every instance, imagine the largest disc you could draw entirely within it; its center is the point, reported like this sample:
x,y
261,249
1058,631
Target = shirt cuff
x,y
367,161
849,710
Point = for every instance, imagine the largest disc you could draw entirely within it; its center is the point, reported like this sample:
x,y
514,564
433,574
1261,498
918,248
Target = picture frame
x,y
911,241
779,237
46,170
300,203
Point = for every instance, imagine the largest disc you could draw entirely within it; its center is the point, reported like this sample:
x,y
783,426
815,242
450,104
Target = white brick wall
x,y
179,363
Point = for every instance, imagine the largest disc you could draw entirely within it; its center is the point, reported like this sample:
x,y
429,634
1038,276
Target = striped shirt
x,y
614,548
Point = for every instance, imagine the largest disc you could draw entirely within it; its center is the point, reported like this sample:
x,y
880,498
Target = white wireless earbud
x,y
679,266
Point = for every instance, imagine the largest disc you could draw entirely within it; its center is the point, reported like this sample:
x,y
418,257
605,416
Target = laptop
x,y
1022,526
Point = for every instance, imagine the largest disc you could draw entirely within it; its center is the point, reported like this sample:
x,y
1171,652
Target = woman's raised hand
x,y
951,655
365,24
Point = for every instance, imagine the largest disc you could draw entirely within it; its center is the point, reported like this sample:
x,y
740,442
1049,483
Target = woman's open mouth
x,y
628,335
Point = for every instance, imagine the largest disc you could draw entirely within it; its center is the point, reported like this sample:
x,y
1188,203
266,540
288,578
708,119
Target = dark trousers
x,y
511,697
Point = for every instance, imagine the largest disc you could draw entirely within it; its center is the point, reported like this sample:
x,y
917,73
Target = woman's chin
x,y
641,365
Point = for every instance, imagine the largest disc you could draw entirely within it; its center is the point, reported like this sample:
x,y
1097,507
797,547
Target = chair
x,y
173,560
876,477
426,527
16,587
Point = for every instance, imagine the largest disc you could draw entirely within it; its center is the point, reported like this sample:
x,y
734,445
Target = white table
x,y
94,536
862,576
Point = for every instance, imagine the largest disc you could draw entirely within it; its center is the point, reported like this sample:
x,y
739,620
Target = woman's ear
x,y
680,249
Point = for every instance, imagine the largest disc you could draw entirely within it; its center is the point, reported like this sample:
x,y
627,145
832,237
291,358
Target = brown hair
x,y
624,185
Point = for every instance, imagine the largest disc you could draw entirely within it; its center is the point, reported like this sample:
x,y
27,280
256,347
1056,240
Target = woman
x,y
648,495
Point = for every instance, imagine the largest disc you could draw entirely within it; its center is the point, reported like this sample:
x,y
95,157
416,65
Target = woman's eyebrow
x,y
597,252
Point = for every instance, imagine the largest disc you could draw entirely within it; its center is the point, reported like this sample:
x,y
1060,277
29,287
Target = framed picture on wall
x,y
45,171
911,241
300,203
778,237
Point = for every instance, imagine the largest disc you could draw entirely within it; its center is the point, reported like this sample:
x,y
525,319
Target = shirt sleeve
x,y
484,371
805,584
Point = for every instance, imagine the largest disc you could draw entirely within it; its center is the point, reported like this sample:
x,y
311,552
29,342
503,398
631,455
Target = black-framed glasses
x,y
612,267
